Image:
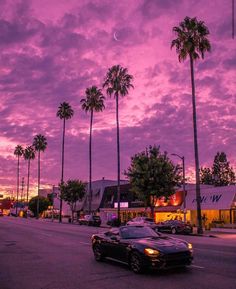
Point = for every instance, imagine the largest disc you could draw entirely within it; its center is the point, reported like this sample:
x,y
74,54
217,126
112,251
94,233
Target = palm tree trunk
x,y
90,162
198,193
17,188
27,194
62,165
38,183
118,157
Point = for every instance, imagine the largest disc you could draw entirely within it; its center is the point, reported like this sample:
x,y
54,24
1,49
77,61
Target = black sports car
x,y
142,248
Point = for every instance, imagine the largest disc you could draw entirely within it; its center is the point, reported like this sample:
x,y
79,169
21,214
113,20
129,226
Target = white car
x,y
141,221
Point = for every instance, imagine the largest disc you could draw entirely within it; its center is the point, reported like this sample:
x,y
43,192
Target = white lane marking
x,y
45,234
215,251
84,243
196,266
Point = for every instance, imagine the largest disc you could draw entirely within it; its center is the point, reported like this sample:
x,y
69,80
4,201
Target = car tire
x,y
173,230
135,263
98,253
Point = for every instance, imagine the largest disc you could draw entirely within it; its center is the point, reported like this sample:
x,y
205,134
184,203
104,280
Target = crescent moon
x,y
115,36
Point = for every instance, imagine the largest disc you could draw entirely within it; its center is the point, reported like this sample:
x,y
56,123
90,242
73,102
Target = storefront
x,y
218,205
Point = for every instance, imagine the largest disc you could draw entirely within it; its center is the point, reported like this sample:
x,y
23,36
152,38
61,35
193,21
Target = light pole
x,y
53,202
183,168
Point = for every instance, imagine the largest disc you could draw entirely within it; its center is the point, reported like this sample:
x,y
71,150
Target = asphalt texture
x,y
38,254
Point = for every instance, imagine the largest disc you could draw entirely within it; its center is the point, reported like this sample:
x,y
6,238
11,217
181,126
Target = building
x,y
82,207
218,205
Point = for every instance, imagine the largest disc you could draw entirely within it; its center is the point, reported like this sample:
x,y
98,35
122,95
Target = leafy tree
x,y
38,205
152,175
118,82
64,112
29,154
19,151
71,192
39,144
222,173
192,41
93,101
206,176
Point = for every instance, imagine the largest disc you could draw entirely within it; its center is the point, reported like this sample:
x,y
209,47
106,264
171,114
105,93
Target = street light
x,y
183,167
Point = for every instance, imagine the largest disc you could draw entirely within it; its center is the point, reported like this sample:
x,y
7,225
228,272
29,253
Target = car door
x,y
116,246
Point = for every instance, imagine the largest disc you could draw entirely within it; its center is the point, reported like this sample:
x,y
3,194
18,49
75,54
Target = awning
x,y
217,198
167,209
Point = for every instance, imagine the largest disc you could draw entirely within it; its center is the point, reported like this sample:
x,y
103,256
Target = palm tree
x,y
118,82
192,42
29,154
39,144
64,112
18,152
93,101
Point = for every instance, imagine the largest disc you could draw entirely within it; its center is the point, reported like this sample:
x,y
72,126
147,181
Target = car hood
x,y
163,244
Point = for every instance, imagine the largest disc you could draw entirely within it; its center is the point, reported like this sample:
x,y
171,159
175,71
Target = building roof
x,y
212,198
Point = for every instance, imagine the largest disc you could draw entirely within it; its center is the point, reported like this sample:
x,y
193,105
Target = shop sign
x,y
209,199
122,205
173,200
212,199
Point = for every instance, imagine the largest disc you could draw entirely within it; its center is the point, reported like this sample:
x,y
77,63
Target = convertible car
x,y
142,248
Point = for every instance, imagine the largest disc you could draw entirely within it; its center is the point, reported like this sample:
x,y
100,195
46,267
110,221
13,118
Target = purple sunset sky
x,y
52,50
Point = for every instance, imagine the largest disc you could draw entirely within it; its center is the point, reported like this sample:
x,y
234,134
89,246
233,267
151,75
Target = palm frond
x,y
191,39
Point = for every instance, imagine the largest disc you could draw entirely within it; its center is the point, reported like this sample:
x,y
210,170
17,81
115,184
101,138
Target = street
x,y
39,254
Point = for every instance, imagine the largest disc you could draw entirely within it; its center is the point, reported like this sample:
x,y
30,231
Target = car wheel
x,y
173,230
136,263
98,253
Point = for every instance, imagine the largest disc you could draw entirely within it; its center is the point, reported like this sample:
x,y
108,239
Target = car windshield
x,y
136,232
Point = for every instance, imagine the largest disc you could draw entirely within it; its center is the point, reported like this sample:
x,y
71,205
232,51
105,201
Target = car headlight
x,y
151,252
190,246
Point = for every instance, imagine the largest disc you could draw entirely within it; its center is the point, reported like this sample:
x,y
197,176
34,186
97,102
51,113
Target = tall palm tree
x,y
93,101
39,144
64,112
118,82
29,154
19,151
192,42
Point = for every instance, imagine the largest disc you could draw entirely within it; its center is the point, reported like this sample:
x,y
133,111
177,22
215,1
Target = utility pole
x,y
22,189
53,202
183,170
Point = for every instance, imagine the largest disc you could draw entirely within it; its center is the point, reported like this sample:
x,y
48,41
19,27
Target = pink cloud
x,y
52,51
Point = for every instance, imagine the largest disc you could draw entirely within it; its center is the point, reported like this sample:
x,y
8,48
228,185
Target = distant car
x,y
174,227
142,248
141,221
90,220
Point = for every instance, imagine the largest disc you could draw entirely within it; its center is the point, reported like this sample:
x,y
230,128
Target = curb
x,y
202,235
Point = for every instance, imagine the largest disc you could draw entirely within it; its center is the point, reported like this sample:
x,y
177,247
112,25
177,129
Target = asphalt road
x,y
36,254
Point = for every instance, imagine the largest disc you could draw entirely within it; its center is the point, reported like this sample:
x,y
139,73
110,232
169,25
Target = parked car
x,y
141,221
90,220
174,227
142,248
